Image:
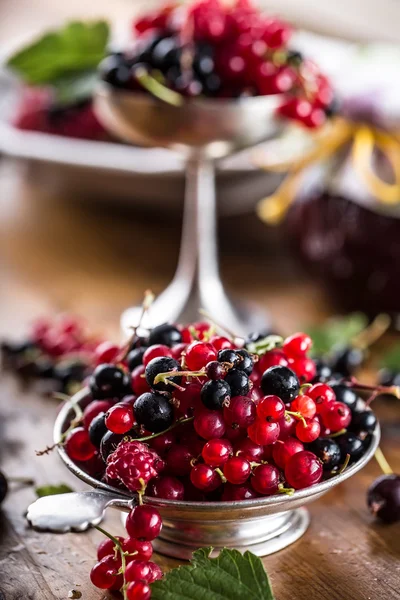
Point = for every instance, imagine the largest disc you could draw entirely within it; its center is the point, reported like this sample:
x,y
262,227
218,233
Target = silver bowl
x,y
203,130
263,525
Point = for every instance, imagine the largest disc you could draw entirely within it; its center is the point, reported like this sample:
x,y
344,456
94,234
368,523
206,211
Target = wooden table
x,y
61,254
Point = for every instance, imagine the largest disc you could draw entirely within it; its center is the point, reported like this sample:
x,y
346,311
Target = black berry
x,y
154,412
352,445
135,358
97,429
162,364
215,393
109,381
383,498
282,382
229,356
238,381
347,360
363,422
247,363
323,372
328,451
345,394
165,334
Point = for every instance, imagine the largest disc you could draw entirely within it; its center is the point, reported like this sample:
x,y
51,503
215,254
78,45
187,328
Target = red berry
x,y
162,443
249,450
272,359
144,523
297,345
287,427
138,570
277,34
95,408
209,424
263,432
270,408
102,576
241,412
265,480
304,368
155,352
143,550
176,351
238,492
138,590
198,354
309,431
134,464
336,416
107,547
221,343
215,370
237,470
178,460
216,452
156,572
303,469
322,395
78,445
188,399
281,452
305,406
169,488
106,352
139,383
205,478
120,419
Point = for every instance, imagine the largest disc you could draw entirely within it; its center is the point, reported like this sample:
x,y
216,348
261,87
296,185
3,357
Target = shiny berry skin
x,y
287,427
178,460
229,356
138,590
78,445
108,381
97,429
188,399
297,345
109,443
304,368
263,432
102,576
383,498
119,419
238,382
144,550
209,424
216,452
238,492
106,352
95,408
155,352
241,412
198,354
167,487
347,360
215,370
281,452
282,382
177,350
138,570
336,416
309,431
162,443
215,394
220,343
323,371
270,408
205,478
249,450
107,547
163,364
303,469
144,523
352,445
363,422
305,406
237,470
322,394
328,452
265,480
153,411
139,383
165,334
346,395
135,358
246,363
273,358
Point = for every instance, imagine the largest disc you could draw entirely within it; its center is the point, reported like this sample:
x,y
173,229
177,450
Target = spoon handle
x,y
76,511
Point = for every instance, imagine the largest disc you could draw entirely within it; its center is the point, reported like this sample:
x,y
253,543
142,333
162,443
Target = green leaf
x,y
74,88
335,332
230,576
391,359
78,46
265,344
53,490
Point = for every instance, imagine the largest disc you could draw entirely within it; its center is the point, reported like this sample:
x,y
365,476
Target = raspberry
x,y
134,464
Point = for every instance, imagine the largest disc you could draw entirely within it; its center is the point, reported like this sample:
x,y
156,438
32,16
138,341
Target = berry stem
x,y
164,377
265,345
121,551
75,421
372,332
382,462
337,433
285,490
392,390
156,88
154,435
344,465
148,300
220,473
297,415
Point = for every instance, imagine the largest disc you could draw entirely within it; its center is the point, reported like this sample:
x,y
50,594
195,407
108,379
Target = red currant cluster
x,y
124,563
212,48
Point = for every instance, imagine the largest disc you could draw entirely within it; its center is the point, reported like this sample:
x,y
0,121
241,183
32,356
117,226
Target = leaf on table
x,y
76,47
336,331
53,490
230,576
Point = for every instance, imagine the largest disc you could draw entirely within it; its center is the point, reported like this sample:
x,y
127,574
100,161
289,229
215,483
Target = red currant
x,y
138,590
177,350
216,452
102,576
272,359
178,460
322,395
237,470
205,478
287,427
155,352
209,424
304,368
281,452
303,469
263,432
188,399
140,550
309,431
139,383
162,443
198,354
106,352
221,343
265,480
144,523
119,418
336,416
95,408
270,408
107,547
238,492
241,412
138,570
169,488
78,445
249,450
297,345
305,406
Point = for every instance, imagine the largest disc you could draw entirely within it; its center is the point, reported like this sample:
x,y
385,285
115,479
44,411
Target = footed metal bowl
x,y
262,525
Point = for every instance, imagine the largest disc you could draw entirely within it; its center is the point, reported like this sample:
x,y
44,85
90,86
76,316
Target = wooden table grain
x,y
64,254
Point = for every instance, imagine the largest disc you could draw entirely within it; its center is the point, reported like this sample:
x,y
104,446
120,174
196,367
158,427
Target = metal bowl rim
x,y
314,490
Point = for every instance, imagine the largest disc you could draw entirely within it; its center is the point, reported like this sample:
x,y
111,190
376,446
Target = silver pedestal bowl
x,y
204,130
263,525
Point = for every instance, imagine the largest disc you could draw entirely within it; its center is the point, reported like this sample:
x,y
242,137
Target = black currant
x,y
363,422
347,360
162,364
256,336
386,377
345,394
352,445
383,498
135,357
323,372
153,411
282,382
97,429
3,487
215,370
166,54
68,373
116,70
247,363
238,381
328,451
109,381
165,334
109,443
215,393
229,356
